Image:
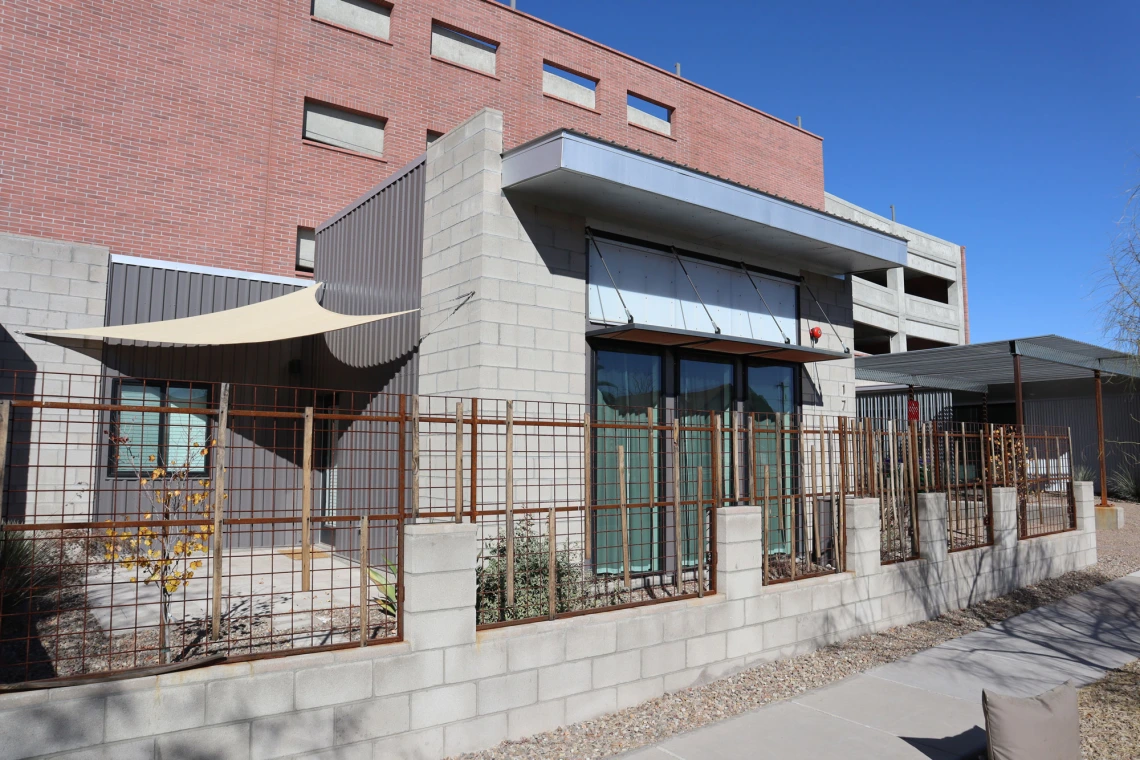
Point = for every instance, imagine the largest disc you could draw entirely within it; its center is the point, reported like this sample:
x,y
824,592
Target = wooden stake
x,y
307,503
736,491
814,504
415,458
588,479
841,531
678,539
700,534
219,454
984,497
651,455
624,507
364,565
803,496
458,461
510,502
753,485
474,495
767,543
912,469
552,567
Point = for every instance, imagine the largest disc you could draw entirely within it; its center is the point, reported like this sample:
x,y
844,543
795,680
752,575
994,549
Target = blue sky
x,y
1010,128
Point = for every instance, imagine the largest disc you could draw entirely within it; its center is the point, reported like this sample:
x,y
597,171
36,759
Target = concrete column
x,y
932,526
439,584
740,551
863,536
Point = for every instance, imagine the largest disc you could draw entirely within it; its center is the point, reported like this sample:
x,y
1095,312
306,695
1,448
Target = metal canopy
x,y
722,344
596,179
978,366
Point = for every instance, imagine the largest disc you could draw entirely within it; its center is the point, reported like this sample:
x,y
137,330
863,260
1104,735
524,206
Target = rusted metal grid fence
x,y
156,522
151,523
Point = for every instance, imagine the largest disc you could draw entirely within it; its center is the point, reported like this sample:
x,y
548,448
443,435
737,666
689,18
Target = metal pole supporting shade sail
x,y
293,315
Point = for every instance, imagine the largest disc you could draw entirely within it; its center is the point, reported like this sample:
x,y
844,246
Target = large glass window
x,y
705,388
628,393
174,440
771,395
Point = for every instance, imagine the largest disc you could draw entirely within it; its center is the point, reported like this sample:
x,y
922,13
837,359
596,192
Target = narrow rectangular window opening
x,y
878,276
926,286
463,48
371,18
306,249
344,129
566,85
646,113
578,79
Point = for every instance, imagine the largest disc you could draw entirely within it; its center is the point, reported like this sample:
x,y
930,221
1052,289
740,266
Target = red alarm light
x,y
816,333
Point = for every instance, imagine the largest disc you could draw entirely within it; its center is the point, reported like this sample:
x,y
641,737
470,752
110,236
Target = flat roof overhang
x,y
582,175
721,344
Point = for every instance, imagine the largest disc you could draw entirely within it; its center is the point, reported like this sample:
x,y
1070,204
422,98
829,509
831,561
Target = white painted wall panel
x,y
658,293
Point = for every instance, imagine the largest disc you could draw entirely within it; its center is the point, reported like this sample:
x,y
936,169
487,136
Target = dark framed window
x,y
177,441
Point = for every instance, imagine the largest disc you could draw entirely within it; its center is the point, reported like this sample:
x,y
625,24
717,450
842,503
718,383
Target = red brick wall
x,y
172,129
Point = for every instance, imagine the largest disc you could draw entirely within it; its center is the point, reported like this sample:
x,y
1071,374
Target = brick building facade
x,y
173,130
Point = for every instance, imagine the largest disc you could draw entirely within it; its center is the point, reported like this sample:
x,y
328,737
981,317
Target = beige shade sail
x,y
289,316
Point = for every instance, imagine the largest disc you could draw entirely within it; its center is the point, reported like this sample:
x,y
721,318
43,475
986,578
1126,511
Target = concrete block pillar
x,y
933,542
1091,518
439,584
1005,517
740,551
863,536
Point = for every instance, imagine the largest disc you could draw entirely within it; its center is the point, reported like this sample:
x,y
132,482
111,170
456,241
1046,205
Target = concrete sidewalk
x,y
929,705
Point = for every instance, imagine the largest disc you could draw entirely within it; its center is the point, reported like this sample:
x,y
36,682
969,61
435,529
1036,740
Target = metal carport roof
x,y
978,366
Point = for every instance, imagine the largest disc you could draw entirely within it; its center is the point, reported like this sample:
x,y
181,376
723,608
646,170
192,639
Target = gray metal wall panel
x,y
1121,428
369,259
891,405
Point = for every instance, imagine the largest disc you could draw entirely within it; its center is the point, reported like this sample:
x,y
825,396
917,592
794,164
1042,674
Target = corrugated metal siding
x,y
145,294
1121,427
891,405
369,258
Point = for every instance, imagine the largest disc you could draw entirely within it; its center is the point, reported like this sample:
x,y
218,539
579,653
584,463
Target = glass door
x,y
628,391
704,391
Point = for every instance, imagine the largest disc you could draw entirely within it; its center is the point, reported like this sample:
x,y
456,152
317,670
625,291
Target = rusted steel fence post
x,y
219,484
552,569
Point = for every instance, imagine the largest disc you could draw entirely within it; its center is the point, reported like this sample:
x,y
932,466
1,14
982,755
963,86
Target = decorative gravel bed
x,y
1110,721
1110,715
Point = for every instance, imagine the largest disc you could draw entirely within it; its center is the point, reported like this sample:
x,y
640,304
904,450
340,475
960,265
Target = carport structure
x,y
979,367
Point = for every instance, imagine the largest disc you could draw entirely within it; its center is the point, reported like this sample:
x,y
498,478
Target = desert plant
x,y
1083,472
20,575
165,556
532,572
1124,483
385,588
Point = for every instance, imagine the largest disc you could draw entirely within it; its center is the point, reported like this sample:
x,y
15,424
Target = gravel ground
x,y
1110,715
1110,718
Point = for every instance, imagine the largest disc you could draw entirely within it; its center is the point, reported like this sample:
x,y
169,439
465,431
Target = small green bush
x,y
532,571
1083,472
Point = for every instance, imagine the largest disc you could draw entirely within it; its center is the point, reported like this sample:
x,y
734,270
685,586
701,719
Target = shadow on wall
x,y
17,384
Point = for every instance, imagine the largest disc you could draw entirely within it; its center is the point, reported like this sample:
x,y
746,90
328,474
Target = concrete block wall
x,y
522,334
448,689
828,387
49,285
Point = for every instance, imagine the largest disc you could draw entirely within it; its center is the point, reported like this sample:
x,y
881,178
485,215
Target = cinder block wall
x,y
521,335
447,689
49,285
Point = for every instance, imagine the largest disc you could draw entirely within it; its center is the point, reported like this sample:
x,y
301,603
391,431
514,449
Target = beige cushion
x,y
1045,727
